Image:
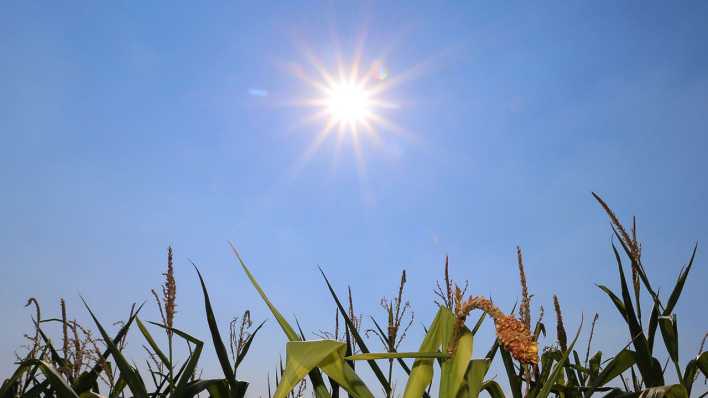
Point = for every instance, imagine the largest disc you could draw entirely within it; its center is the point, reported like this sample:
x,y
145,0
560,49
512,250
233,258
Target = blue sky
x,y
126,128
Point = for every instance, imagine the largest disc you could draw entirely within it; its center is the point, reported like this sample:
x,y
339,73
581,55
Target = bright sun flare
x,y
348,103
350,100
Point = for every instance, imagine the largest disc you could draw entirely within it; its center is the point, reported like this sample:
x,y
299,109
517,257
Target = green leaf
x,y
615,300
651,374
87,380
132,377
246,346
357,337
191,364
217,388
703,363
315,376
653,325
118,388
620,363
547,359
476,370
594,364
493,388
582,372
669,332
680,281
62,388
328,355
479,322
452,374
422,371
558,368
290,333
692,369
219,346
514,379
152,343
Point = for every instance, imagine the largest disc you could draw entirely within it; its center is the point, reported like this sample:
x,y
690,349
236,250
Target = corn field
x,y
88,362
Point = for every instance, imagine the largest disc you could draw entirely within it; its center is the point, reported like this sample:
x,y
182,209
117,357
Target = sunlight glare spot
x,y
348,103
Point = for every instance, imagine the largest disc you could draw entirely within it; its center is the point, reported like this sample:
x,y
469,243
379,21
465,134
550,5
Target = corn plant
x,y
84,366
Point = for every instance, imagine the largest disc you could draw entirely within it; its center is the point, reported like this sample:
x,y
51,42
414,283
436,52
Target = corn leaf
x,y
191,364
357,337
669,332
328,355
88,379
152,343
422,372
557,369
62,388
246,346
651,374
493,388
620,363
692,368
452,373
132,377
315,375
514,379
219,346
474,377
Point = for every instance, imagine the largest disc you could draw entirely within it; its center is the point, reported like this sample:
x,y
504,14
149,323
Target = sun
x,y
348,104
348,100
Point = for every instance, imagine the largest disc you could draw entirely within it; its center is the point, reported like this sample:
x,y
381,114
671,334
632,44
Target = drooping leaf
x,y
615,300
493,388
618,365
315,375
669,332
692,368
328,355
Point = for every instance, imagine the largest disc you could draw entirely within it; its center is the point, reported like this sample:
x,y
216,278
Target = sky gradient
x,y
127,127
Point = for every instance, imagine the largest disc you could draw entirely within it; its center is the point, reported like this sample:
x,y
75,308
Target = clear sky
x,y
128,127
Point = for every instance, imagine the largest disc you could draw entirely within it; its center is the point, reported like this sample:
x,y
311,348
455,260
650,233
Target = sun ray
x,y
352,101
